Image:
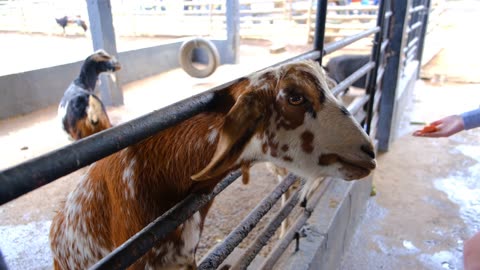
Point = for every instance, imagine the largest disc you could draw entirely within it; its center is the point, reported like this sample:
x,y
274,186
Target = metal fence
x,y
405,48
37,172
258,18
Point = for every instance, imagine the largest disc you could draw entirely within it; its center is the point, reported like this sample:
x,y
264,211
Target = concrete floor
x,y
428,190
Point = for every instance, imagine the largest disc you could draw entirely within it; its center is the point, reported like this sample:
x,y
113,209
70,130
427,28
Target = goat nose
x,y
367,149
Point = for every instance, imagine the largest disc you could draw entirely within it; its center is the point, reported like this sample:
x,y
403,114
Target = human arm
x,y
445,127
453,124
471,253
471,119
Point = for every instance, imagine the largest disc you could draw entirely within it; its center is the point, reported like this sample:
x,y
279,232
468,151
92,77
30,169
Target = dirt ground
x,y
427,199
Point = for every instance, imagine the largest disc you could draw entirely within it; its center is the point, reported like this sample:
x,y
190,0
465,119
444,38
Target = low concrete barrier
x,y
329,230
33,90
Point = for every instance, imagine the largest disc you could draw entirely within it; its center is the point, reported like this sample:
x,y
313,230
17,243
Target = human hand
x,y
471,253
445,127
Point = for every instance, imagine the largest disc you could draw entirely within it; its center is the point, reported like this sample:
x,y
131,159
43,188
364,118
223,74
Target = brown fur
x,y
246,173
307,141
157,190
95,121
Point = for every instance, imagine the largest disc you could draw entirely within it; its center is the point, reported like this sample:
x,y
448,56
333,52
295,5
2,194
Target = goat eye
x,y
296,100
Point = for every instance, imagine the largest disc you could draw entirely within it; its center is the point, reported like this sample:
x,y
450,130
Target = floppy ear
x,y
331,83
239,126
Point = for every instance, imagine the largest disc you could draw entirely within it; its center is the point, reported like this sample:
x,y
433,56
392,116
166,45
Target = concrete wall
x,y
141,63
29,91
32,90
330,228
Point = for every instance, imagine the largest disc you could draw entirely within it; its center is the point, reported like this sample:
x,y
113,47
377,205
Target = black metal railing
x,y
135,247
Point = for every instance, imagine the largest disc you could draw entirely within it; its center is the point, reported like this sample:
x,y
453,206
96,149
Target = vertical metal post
x,y
392,72
423,34
320,21
372,75
233,31
103,37
3,264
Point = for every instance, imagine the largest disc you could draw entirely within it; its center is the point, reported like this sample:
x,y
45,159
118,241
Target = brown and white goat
x,y
285,115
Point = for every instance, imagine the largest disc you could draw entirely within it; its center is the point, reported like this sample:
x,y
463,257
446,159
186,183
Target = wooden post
x,y
103,37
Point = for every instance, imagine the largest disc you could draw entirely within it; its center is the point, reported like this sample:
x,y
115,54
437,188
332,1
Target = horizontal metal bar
x,y
375,120
42,170
360,116
267,232
388,14
417,9
413,45
139,244
374,125
353,78
351,8
384,45
357,104
376,101
412,51
380,72
334,46
221,252
414,41
409,59
414,27
311,55
282,245
351,17
34,173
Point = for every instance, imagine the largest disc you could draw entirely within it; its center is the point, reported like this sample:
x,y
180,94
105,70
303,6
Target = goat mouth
x,y
116,66
350,168
357,169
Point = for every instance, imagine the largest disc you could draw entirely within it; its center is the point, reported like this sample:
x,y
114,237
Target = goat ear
x,y
331,83
239,126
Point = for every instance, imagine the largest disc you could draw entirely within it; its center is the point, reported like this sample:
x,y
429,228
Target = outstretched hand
x,y
444,127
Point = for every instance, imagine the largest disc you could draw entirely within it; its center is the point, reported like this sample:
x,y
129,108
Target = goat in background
x,y
66,20
81,112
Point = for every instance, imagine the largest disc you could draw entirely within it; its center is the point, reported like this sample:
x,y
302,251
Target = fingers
x,y
438,122
418,133
431,130
444,127
435,134
441,131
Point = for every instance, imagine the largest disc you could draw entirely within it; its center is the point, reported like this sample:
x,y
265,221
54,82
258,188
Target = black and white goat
x,y
66,20
340,67
82,113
